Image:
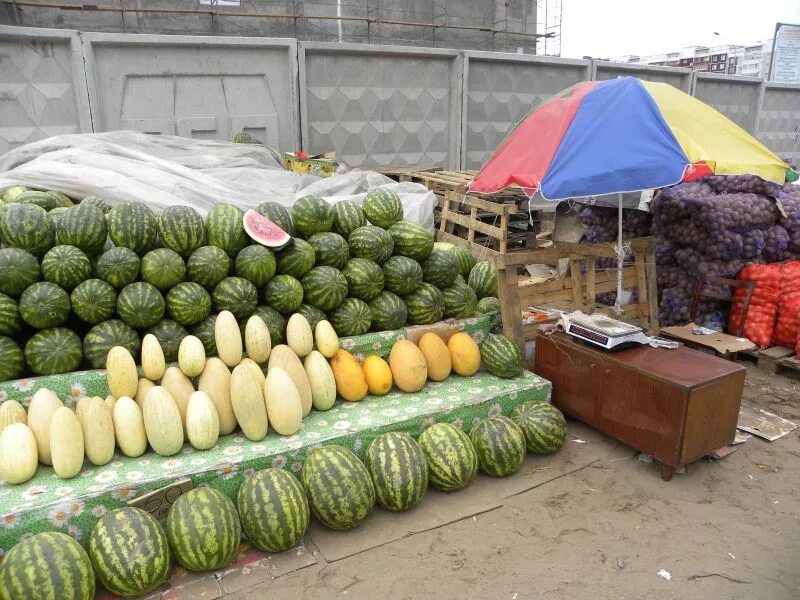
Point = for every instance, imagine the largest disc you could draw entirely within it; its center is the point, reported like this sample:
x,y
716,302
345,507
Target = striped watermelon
x,y
372,243
312,314
330,249
162,268
12,360
402,275
411,240
339,488
388,312
501,356
483,279
273,509
20,269
204,331
42,199
276,322
61,200
324,287
488,305
284,293
451,458
425,305
47,566
440,268
398,470
27,226
130,552
543,425
203,529
499,444
464,259
188,303
53,351
44,305
364,278
83,226
181,228
383,208
97,202
311,214
94,301
257,264
66,266
278,215
140,304
352,317
296,259
55,216
10,194
133,225
347,217
208,266
460,301
118,266
10,319
224,228
104,336
169,334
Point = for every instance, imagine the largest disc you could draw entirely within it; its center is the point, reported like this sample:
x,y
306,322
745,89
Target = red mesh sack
x,y
760,321
788,323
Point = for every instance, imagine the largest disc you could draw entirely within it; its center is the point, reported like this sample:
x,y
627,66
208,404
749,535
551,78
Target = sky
x,y
614,28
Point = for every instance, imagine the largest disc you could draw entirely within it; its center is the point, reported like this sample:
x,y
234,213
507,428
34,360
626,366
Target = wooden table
x,y
676,405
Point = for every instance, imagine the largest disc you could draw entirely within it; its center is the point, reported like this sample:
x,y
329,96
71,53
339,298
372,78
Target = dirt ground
x,y
724,529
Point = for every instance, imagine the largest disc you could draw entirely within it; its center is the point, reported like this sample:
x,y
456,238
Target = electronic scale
x,y
608,333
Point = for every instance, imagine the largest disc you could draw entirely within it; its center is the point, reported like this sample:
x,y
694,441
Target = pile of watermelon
x,y
78,278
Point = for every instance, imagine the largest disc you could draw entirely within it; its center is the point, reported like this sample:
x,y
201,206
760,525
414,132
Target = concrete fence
x,y
374,105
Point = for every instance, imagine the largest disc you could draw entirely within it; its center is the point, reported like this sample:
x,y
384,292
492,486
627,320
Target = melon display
x,y
10,319
208,266
378,375
351,317
27,227
43,199
236,295
452,462
278,215
425,305
224,228
543,425
188,303
347,217
256,264
411,240
66,266
276,322
312,314
102,337
118,266
132,225
351,382
296,259
499,444
440,268
388,311
402,275
330,249
53,351
169,335
18,454
97,202
44,305
483,279
324,287
312,214
501,356
162,268
140,305
464,259
181,228
372,243
382,207
398,470
20,270
460,301
83,226
364,278
263,231
284,293
464,354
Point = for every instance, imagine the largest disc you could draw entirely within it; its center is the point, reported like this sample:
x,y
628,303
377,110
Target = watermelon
x,y
324,287
338,486
83,226
10,194
224,228
181,228
65,266
133,225
44,305
284,293
12,360
352,317
61,200
501,356
425,305
169,334
97,202
118,266
278,215
499,444
411,240
402,275
130,552
347,217
460,301
55,217
440,268
188,303
451,458
274,510
163,268
94,301
464,259
383,207
263,231
204,331
311,214
27,226
53,351
208,266
398,470
20,269
330,249
104,336
242,138
237,295
488,305
543,425
256,264
388,312
276,322
364,278
140,304
10,319
483,279
372,243
297,259
203,529
42,199
47,566
312,314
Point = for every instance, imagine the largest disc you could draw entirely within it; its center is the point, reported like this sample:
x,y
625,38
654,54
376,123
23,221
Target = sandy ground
x,y
724,529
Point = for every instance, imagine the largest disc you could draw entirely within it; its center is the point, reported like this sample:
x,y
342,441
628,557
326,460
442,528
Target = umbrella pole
x,y
620,260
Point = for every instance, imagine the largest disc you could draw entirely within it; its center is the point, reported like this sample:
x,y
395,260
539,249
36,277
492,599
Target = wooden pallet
x,y
776,359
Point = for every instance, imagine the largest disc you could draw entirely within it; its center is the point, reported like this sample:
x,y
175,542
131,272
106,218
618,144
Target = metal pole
x,y
620,260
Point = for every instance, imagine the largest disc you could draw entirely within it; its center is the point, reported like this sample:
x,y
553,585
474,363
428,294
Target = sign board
x,y
785,64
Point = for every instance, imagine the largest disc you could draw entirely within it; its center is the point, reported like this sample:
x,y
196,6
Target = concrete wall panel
x,y
735,97
779,121
679,77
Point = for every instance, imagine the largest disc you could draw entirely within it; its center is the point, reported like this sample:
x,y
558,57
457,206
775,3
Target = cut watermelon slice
x,y
264,231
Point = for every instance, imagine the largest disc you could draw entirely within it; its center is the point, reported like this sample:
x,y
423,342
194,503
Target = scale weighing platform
x,y
610,334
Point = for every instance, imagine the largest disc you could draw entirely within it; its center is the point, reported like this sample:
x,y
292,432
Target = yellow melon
x,y
465,354
409,369
350,381
437,356
378,375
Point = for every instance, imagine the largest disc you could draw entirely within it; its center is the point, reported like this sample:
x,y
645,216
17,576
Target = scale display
x,y
603,331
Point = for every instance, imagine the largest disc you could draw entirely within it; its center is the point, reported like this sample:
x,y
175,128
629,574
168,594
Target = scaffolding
x,y
549,13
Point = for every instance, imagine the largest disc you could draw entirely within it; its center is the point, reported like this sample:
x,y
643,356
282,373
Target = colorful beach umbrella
x,y
622,135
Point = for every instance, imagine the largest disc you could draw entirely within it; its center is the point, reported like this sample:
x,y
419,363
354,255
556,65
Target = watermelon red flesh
x,y
265,232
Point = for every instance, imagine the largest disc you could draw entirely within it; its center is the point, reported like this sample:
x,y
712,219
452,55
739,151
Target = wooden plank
x,y
504,229
591,295
470,200
509,307
478,250
474,224
652,290
445,216
577,290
